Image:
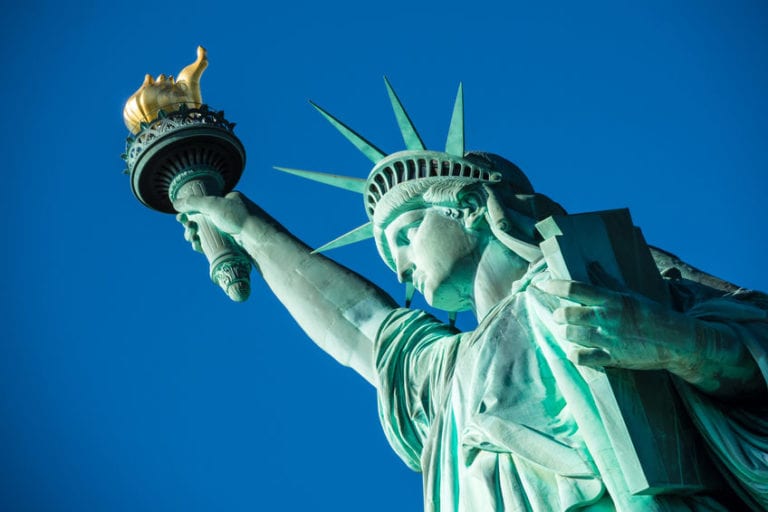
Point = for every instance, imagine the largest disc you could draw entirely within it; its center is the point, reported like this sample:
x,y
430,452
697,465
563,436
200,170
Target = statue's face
x,y
438,254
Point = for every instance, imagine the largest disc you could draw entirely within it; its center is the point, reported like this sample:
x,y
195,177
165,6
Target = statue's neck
x,y
497,269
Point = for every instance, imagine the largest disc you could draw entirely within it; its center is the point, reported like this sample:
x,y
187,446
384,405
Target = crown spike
x,y
358,234
373,153
454,144
334,180
411,137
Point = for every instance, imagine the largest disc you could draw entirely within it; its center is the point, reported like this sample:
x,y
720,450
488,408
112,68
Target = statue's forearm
x,y
340,310
723,366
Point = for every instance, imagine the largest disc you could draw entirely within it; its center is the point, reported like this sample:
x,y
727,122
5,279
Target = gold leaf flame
x,y
165,94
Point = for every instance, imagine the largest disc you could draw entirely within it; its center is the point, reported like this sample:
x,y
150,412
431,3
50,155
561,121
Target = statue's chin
x,y
447,299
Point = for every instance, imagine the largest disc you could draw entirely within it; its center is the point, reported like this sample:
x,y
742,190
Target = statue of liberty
x,y
511,415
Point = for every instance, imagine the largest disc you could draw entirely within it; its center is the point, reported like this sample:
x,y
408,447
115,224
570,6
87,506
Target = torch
x,y
179,147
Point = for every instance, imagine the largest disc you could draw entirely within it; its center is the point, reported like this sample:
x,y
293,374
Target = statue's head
x,y
433,231
433,213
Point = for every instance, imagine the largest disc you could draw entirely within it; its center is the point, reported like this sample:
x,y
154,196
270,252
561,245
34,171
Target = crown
x,y
414,163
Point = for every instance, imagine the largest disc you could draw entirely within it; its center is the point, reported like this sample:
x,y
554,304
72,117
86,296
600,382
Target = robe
x,y
498,419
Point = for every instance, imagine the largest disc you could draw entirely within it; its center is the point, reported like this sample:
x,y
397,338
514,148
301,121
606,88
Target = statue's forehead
x,y
404,220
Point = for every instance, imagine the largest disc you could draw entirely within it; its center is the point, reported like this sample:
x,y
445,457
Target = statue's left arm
x,y
719,346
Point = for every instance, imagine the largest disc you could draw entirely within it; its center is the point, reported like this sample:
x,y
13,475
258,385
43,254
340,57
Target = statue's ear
x,y
473,205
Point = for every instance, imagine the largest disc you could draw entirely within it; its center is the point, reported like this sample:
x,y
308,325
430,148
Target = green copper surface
x,y
454,144
411,137
334,180
373,153
358,234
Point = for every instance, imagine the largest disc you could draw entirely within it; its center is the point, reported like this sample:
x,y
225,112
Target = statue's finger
x,y
196,204
579,315
546,300
191,204
182,206
183,218
577,291
591,337
595,357
190,233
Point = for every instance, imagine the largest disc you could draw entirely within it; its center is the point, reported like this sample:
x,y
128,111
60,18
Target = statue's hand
x,y
628,331
190,231
619,329
227,213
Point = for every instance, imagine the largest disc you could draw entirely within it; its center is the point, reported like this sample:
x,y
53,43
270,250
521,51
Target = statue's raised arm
x,y
337,308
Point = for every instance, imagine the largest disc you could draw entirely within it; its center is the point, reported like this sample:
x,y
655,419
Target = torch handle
x,y
230,267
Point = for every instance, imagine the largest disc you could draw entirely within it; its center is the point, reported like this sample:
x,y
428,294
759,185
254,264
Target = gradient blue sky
x,y
129,382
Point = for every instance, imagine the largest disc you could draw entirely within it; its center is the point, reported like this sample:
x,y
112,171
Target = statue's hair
x,y
449,191
423,193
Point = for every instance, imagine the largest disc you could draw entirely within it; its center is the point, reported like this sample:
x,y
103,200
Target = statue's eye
x,y
406,235
452,213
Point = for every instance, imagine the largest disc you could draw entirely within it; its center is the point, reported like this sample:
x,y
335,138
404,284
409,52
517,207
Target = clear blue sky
x,y
129,382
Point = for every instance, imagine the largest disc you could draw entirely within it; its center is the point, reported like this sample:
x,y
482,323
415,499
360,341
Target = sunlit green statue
x,y
526,412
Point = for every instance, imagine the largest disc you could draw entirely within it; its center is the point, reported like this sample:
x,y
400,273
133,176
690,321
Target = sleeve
x,y
415,356
737,434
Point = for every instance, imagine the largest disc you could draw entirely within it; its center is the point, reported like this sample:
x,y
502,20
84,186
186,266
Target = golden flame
x,y
166,94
